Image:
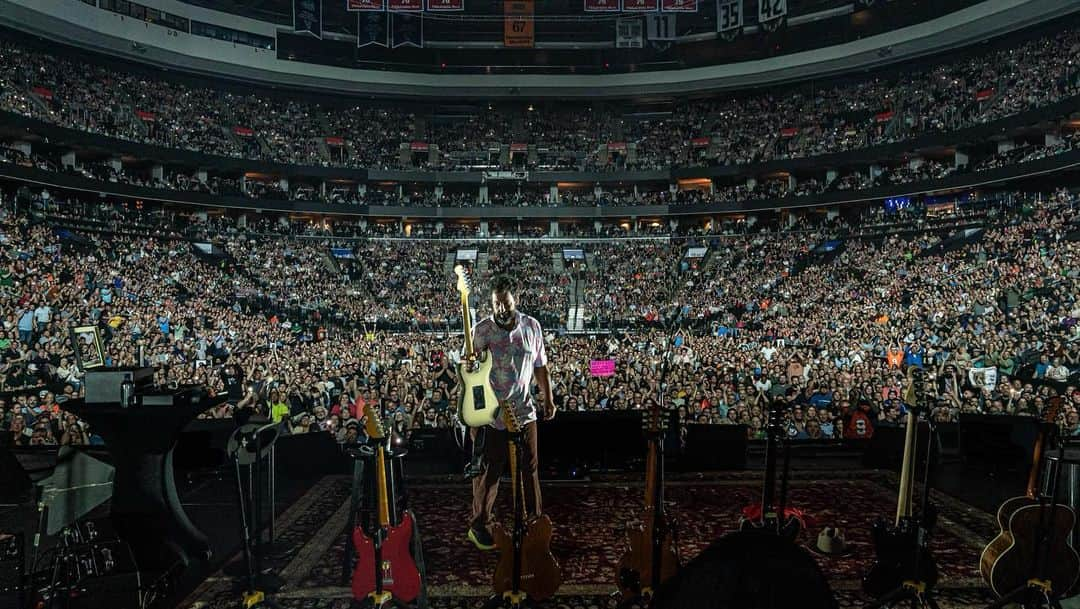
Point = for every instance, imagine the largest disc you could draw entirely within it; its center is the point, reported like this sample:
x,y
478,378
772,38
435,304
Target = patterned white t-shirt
x,y
514,356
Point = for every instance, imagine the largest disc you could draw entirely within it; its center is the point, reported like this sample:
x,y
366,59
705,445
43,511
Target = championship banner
x,y
883,117
445,5
984,94
244,131
678,6
408,6
700,142
42,92
789,131
519,147
365,5
335,141
518,27
641,5
729,15
307,17
418,146
146,116
407,30
602,6
616,146
371,29
769,10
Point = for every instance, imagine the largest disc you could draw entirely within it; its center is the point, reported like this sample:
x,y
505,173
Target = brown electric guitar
x,y
527,571
1011,561
652,558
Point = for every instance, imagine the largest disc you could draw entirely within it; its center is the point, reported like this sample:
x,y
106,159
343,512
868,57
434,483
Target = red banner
x,y
883,117
640,5
418,146
244,131
146,116
519,147
700,142
602,5
364,5
335,141
984,95
445,5
616,146
679,6
789,131
406,5
43,92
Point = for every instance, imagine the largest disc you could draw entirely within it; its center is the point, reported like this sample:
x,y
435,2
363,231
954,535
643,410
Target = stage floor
x,y
590,519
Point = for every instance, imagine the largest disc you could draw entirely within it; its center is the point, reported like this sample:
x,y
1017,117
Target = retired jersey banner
x,y
602,6
769,10
729,15
371,29
678,6
640,5
405,5
518,27
407,30
307,17
365,5
445,5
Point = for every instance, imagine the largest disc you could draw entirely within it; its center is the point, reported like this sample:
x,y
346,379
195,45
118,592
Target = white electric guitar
x,y
478,405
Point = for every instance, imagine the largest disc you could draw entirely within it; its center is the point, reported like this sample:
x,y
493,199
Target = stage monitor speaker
x,y
714,447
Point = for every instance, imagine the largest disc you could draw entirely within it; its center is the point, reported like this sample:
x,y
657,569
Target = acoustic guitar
x,y
477,405
652,558
387,550
1011,560
895,546
527,570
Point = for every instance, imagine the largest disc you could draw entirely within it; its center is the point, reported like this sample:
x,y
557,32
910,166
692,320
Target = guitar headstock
x,y
655,419
916,386
373,423
464,280
510,418
776,416
1053,409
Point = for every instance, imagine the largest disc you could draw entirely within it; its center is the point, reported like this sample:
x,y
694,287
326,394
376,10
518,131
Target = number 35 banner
x,y
729,15
769,10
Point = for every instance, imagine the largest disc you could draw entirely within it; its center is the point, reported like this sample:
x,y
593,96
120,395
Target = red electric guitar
x,y
388,546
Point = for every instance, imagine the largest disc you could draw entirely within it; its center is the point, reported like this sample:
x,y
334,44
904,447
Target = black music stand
x,y
248,446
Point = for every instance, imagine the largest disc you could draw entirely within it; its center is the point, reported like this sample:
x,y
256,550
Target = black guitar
x,y
898,564
781,521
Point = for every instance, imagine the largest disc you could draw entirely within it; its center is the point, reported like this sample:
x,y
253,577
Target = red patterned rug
x,y
590,520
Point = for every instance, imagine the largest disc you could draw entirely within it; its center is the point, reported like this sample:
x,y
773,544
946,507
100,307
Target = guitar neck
x,y
907,478
466,322
1036,464
381,488
652,481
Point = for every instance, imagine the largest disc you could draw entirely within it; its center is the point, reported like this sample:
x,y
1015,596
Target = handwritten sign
x,y
602,367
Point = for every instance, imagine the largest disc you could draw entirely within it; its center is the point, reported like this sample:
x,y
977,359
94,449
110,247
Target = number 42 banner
x,y
769,10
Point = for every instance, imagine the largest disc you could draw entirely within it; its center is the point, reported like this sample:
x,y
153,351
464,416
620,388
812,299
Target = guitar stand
x,y
514,599
915,591
1038,591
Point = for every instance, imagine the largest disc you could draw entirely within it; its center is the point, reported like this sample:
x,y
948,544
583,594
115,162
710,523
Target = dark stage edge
x,y
316,521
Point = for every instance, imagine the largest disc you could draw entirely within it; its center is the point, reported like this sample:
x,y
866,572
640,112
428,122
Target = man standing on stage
x,y
516,343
